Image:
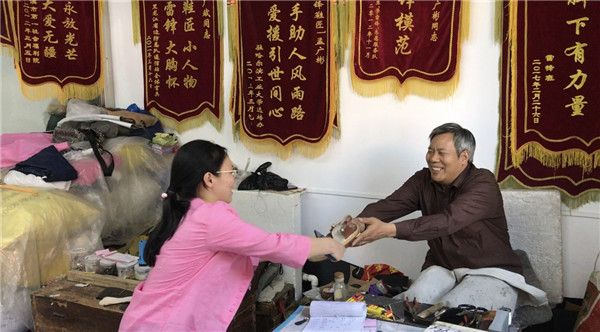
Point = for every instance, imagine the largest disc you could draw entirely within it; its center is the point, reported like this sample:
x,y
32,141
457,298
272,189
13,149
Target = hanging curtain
x,y
550,135
407,47
182,54
57,46
285,91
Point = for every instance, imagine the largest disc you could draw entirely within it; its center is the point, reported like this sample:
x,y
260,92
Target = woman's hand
x,y
375,230
326,245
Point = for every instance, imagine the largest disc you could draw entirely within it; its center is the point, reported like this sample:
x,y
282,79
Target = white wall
x,y
383,142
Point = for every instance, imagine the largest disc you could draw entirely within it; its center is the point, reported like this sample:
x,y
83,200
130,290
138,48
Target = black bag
x,y
93,132
262,179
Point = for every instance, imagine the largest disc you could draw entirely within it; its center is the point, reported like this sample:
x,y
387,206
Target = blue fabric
x,y
48,164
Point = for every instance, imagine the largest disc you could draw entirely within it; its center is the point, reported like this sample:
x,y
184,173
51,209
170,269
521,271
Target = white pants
x,y
437,284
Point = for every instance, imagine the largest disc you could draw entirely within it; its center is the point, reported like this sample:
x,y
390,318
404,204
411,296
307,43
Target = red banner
x,y
549,122
181,47
285,93
406,39
59,47
7,36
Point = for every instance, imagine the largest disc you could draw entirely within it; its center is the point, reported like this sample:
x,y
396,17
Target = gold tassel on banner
x,y
232,29
232,37
512,46
135,13
189,123
341,34
572,202
53,90
340,15
498,13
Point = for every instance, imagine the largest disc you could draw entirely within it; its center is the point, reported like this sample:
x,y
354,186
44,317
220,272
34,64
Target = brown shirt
x,y
464,225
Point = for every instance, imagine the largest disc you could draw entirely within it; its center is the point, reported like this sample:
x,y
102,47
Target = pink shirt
x,y
205,269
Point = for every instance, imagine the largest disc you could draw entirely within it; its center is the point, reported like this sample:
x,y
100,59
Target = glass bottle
x,y
340,293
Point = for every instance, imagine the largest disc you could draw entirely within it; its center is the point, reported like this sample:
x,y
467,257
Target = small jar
x,y
141,272
77,258
108,267
125,270
92,263
340,293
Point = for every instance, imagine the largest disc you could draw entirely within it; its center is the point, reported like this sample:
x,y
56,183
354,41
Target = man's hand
x,y
375,230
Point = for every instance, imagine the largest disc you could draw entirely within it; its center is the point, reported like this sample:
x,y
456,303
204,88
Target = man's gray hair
x,y
463,138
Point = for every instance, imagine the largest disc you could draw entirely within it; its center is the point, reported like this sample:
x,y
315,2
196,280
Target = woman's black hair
x,y
191,162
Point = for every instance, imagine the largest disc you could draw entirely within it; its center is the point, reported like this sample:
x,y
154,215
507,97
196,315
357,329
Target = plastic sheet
x,y
39,230
37,233
130,198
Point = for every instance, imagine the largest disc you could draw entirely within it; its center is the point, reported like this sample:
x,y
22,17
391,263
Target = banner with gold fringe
x,y
7,35
549,121
285,93
182,58
58,47
407,47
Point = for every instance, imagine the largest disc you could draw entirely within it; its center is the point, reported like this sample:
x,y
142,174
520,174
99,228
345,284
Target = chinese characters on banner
x,y
406,46
550,136
58,47
285,92
181,47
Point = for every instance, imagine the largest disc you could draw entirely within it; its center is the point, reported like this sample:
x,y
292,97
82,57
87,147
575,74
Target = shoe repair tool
x,y
357,297
114,300
438,314
472,315
380,312
431,310
302,321
373,310
412,308
392,312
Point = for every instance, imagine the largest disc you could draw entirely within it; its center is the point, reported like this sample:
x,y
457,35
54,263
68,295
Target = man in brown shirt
x,y
462,220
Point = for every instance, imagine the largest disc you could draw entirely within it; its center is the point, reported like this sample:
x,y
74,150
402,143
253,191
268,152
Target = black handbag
x,y
262,179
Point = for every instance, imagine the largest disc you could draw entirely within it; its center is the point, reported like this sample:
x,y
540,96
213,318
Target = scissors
x,y
471,314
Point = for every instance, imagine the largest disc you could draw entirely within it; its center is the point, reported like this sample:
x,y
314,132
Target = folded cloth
x,y
48,164
29,180
533,295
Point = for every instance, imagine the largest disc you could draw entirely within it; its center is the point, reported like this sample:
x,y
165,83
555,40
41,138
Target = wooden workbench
x,y
64,306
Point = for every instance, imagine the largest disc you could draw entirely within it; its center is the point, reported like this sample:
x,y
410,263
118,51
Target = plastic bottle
x,y
142,245
340,293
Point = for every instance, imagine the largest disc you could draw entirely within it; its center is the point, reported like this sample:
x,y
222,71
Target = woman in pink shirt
x,y
203,255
